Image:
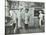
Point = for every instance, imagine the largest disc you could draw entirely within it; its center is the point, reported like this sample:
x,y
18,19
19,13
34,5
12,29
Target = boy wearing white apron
x,y
26,19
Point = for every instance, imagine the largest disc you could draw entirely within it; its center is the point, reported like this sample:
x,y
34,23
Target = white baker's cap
x,y
40,11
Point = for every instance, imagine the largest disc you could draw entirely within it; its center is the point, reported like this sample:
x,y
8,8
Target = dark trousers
x,y
26,26
14,24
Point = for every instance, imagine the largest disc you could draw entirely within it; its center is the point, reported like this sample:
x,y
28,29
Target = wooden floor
x,y
30,30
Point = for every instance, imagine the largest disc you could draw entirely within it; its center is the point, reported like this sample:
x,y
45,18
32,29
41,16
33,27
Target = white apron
x,y
19,19
26,18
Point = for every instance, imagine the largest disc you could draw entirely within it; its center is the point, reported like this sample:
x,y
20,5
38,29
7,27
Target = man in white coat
x,y
19,16
41,17
13,16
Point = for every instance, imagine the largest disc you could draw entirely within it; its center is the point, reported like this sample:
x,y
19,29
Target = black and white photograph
x,y
23,17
